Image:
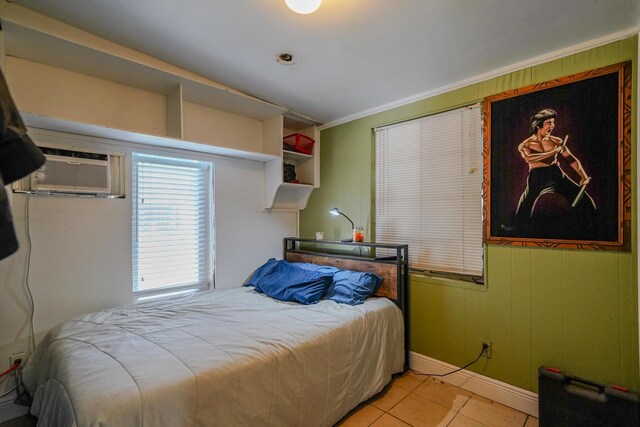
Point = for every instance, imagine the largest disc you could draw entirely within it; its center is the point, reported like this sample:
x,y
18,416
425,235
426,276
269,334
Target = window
x,y
172,226
428,176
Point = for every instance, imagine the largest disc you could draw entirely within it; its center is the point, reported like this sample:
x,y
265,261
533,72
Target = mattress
x,y
226,357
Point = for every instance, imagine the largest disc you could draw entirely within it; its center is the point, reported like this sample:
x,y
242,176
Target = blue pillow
x,y
286,282
260,272
352,287
325,269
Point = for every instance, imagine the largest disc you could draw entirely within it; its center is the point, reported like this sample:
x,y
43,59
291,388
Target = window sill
x,y
417,277
164,294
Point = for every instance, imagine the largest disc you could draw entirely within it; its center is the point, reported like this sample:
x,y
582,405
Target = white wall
x,y
50,91
210,126
54,92
81,247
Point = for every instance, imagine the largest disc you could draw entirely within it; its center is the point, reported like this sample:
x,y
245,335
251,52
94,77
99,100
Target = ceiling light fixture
x,y
303,6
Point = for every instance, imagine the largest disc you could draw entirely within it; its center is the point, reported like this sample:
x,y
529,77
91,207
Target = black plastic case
x,y
565,400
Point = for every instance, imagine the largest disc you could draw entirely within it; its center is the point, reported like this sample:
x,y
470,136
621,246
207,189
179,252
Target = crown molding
x,y
581,47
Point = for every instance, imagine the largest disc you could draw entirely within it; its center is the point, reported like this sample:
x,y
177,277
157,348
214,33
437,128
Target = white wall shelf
x,y
292,155
285,195
61,125
296,185
258,126
35,37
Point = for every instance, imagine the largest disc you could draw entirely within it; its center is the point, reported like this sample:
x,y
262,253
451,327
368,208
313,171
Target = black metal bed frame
x,y
339,249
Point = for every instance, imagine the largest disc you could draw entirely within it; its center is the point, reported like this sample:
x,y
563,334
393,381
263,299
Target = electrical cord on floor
x,y
484,347
16,367
13,368
11,390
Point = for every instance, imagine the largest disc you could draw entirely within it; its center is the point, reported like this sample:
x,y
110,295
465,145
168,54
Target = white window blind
x,y
429,190
172,225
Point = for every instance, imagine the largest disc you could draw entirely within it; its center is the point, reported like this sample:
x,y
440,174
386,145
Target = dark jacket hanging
x,y
19,156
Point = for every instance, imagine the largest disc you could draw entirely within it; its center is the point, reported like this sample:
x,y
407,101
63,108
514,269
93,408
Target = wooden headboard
x,y
394,269
387,270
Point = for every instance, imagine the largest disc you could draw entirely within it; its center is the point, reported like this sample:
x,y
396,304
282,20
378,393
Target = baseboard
x,y
507,394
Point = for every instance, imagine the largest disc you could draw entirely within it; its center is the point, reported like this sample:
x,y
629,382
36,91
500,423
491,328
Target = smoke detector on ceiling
x,y
286,58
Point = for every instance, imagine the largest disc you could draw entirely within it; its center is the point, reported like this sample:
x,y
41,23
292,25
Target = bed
x,y
225,357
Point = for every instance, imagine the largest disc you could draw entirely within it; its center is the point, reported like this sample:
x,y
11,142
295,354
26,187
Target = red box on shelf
x,y
298,142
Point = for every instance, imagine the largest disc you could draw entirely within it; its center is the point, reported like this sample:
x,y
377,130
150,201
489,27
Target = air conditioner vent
x,y
76,172
70,153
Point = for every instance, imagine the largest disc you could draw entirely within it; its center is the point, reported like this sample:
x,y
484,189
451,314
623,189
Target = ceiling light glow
x,y
303,6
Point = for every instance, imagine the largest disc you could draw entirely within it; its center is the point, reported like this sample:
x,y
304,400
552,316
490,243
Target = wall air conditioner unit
x,y
73,172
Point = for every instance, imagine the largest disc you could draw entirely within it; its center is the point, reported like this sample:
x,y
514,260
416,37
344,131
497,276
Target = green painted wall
x,y
575,310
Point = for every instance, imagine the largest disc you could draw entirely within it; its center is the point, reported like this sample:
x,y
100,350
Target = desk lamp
x,y
336,212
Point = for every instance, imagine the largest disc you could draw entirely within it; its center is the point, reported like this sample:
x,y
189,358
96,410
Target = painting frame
x,y
522,209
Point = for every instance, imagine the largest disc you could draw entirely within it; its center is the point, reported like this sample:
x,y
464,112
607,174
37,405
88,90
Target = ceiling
x,y
351,56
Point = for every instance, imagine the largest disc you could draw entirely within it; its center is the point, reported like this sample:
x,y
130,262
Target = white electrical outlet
x,y
487,350
22,357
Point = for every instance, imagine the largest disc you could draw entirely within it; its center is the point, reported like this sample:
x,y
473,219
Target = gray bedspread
x,y
230,357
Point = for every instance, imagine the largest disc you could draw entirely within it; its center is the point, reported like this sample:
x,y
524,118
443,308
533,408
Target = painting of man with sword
x,y
541,151
557,161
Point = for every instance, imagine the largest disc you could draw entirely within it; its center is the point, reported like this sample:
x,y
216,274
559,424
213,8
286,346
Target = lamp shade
x,y
336,211
303,6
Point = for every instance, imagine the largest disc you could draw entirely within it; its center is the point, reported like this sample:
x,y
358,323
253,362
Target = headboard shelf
x,y
389,261
341,242
345,255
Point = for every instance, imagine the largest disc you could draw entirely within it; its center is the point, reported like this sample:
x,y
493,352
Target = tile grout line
x,y
411,392
459,413
397,403
437,403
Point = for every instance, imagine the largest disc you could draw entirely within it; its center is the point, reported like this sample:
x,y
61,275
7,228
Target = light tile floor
x,y
414,400
422,401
